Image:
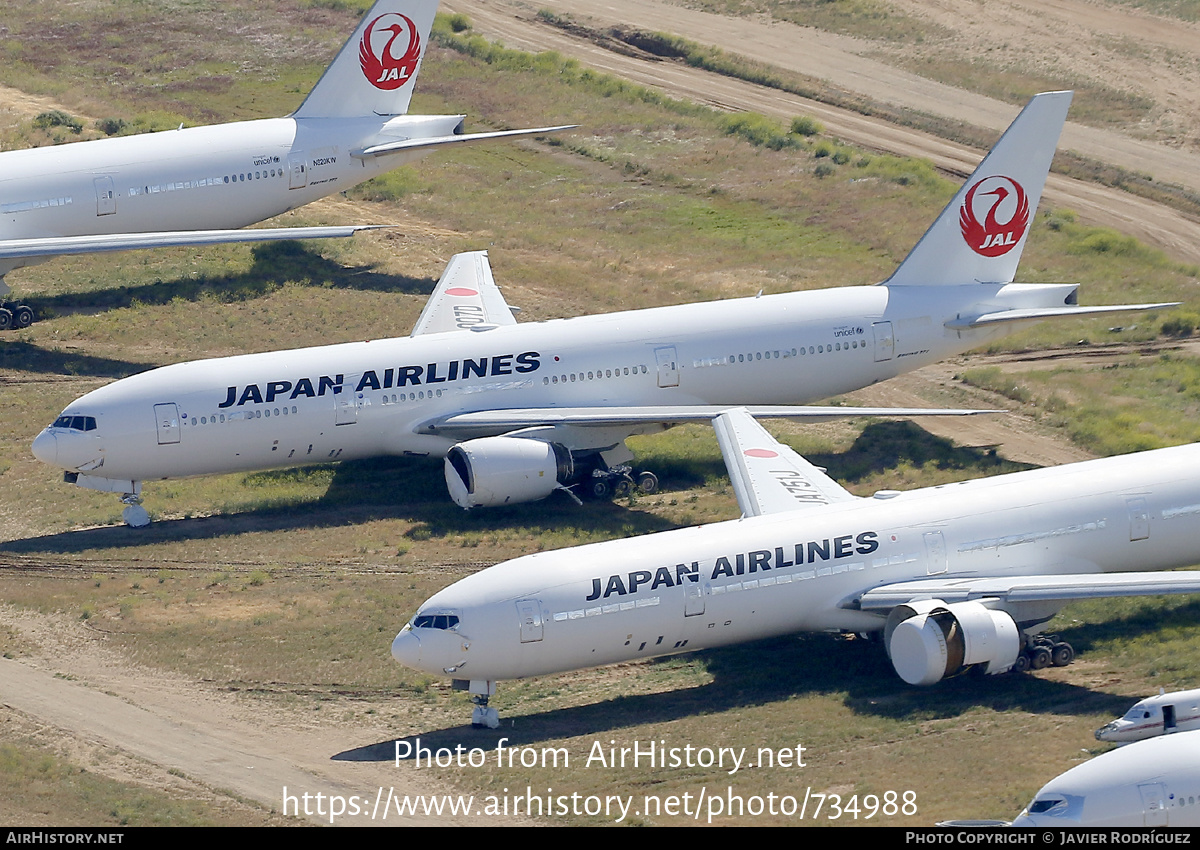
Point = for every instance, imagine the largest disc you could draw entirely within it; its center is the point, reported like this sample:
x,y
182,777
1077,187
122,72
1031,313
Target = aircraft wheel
x,y
1021,665
647,483
6,319
1039,658
600,489
1062,654
23,316
622,487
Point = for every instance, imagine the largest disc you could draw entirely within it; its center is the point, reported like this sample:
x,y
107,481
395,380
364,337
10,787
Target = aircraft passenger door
x,y
693,595
1139,519
345,409
106,198
668,366
1169,724
297,171
885,343
166,418
1154,803
530,613
935,550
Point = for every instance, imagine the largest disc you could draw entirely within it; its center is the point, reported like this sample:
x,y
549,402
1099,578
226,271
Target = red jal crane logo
x,y
384,69
993,237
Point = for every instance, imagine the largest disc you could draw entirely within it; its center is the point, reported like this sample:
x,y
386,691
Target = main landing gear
x,y
1043,651
15,316
135,515
618,481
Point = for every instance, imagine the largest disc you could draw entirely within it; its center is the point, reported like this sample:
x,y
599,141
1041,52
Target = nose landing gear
x,y
135,515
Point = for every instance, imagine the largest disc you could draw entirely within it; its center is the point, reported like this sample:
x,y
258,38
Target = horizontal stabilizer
x,y
54,246
409,145
1033,313
1032,588
505,420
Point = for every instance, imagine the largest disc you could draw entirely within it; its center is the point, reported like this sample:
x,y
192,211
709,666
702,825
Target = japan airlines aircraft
x,y
1150,783
171,188
953,577
519,411
1163,714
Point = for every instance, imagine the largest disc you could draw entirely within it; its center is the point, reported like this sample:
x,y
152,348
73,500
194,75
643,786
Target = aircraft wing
x,y
482,421
409,145
769,477
1043,588
54,246
465,298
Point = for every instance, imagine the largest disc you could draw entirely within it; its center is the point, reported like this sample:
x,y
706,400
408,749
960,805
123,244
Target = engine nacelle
x,y
930,640
505,470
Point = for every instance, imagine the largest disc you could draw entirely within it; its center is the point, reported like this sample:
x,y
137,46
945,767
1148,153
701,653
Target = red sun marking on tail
x,y
383,69
993,238
461,290
760,453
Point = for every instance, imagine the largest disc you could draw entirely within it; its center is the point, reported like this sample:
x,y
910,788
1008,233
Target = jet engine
x,y
505,470
930,640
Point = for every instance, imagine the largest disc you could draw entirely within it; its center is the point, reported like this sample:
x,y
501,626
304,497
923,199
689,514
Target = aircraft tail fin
x,y
981,233
375,71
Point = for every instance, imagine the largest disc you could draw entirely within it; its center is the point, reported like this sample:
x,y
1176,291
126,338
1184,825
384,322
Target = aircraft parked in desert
x,y
173,188
1150,783
953,577
1162,714
520,410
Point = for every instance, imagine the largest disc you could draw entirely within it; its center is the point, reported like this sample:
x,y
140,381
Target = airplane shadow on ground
x,y
414,489
776,670
26,357
410,489
274,264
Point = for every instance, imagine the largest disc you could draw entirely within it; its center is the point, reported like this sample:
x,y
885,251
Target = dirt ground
x,y
1088,41
120,718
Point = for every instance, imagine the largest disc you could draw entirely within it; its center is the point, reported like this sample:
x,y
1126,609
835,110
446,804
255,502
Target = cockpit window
x,y
76,423
1041,807
435,621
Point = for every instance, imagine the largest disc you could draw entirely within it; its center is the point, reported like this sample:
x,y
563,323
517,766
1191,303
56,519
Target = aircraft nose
x,y
45,447
406,648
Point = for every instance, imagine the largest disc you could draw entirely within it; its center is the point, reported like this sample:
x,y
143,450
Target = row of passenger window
x,y
205,181
596,375
40,204
240,415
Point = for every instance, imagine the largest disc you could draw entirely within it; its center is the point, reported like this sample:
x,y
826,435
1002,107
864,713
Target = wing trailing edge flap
x,y
410,145
529,417
56,246
1043,588
465,298
769,477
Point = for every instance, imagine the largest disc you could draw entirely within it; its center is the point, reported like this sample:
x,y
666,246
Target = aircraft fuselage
x,y
748,579
223,176
367,399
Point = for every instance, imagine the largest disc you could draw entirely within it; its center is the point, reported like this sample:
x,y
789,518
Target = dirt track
x,y
842,62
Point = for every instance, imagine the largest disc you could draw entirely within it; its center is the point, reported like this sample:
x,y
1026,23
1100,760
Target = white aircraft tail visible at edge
x,y
953,577
520,410
173,188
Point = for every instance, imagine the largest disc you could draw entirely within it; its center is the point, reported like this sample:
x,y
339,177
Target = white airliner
x,y
954,577
1150,783
172,188
1163,714
519,411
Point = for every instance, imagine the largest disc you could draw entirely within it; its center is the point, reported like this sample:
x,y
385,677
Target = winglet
x,y
768,477
376,69
980,235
